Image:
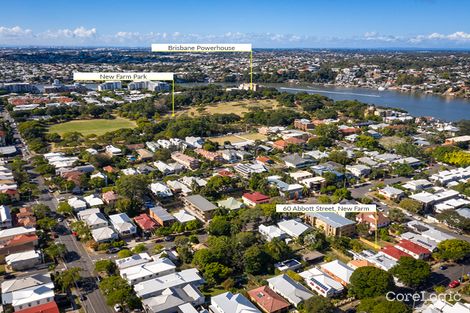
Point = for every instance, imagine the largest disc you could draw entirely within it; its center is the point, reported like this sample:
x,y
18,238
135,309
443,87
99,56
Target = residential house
x,y
156,286
296,161
211,156
338,271
145,271
415,250
254,198
393,252
289,289
25,217
247,169
373,220
145,223
271,232
181,299
161,190
112,151
77,204
144,155
293,227
23,260
95,220
230,203
358,170
321,283
5,217
268,301
134,260
183,217
231,303
109,197
304,124
185,160
93,201
28,291
104,234
161,216
331,223
10,233
49,307
123,224
391,193
199,206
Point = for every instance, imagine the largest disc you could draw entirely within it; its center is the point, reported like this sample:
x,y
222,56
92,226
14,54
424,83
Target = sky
x,y
266,24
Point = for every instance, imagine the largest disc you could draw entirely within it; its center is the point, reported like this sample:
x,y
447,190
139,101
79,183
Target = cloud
x,y
14,32
82,35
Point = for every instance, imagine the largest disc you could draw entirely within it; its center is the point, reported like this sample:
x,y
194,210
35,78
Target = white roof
x,y
271,231
31,295
122,223
22,256
15,231
293,227
95,219
5,215
321,279
147,269
182,216
289,289
157,285
232,303
339,269
93,200
133,260
76,203
103,233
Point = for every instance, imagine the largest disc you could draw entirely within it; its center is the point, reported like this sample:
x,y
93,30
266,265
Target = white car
x,y
117,308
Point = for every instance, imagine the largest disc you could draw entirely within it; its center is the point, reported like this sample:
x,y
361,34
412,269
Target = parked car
x,y
442,267
117,308
113,250
454,284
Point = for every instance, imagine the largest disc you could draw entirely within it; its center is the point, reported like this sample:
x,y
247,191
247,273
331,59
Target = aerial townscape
x,y
259,172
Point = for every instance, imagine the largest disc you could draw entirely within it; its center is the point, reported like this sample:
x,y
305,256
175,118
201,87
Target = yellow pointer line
x,y
173,97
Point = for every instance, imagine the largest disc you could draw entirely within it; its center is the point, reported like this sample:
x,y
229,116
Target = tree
x,y
47,223
215,273
41,210
56,250
107,266
219,226
453,250
370,281
65,208
68,278
382,305
82,230
402,169
317,304
411,205
133,187
139,248
255,260
396,215
118,291
124,253
278,250
411,272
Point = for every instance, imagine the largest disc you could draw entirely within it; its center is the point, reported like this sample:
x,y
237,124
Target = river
x,y
417,104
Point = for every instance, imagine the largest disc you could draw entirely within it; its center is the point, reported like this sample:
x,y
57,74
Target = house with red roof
x,y
280,144
145,223
254,198
372,219
50,307
268,301
19,243
264,160
413,249
393,252
109,197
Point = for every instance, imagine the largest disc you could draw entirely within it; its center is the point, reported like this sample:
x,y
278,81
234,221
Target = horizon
x,y
421,24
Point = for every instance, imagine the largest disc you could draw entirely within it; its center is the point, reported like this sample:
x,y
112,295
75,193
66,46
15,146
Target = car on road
x,y
442,267
113,250
454,284
117,308
168,238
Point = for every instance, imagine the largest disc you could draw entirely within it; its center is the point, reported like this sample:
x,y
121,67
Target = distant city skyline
x,y
434,24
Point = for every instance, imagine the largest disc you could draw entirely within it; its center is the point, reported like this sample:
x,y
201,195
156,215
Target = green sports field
x,y
88,127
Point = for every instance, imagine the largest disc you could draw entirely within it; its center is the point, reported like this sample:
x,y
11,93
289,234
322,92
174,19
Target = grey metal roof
x,y
200,202
332,219
162,213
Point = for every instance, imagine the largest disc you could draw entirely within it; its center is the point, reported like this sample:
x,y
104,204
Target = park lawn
x,y
236,107
238,138
391,141
95,126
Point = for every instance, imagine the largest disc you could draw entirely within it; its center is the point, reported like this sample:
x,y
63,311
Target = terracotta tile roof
x,y
22,239
413,247
256,197
295,141
360,263
394,253
145,222
50,307
267,299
